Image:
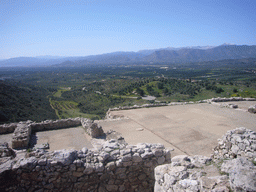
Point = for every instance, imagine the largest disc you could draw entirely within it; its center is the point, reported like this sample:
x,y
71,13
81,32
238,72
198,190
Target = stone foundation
x,y
22,130
21,136
115,167
8,128
235,143
93,129
231,167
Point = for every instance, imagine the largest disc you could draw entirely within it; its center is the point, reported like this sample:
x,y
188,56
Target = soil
x,y
188,129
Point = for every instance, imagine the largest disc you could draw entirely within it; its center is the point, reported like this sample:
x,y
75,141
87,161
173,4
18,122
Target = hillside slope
x,y
19,103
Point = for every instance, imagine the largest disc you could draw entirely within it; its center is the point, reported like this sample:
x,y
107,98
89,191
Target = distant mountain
x,y
165,55
116,57
30,62
186,55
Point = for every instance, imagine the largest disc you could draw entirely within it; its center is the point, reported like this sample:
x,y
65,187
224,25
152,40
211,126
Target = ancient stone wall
x,y
116,167
235,143
230,99
109,115
21,136
8,128
42,126
22,130
91,128
58,124
232,167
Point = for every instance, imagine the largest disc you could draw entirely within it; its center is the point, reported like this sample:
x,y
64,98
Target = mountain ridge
x,y
162,55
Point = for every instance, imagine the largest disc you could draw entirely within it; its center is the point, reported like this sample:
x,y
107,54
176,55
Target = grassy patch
x,y
60,91
66,109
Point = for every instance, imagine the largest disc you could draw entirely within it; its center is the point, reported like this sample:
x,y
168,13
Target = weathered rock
x,y
242,174
21,136
66,157
92,128
252,109
5,151
236,143
197,173
8,128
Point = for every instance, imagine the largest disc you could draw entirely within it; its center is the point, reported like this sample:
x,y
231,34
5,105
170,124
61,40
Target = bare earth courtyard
x,y
191,129
188,129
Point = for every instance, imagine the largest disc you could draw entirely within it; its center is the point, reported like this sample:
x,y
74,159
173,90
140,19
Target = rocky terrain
x,y
232,167
116,166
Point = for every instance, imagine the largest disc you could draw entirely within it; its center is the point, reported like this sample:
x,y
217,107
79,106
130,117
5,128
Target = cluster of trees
x,y
94,100
25,95
173,86
21,102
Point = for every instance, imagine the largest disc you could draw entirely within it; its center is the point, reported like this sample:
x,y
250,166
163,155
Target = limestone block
x,y
21,136
252,109
242,173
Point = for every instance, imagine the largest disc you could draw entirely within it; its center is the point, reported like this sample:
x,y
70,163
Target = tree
x,y
140,92
219,90
235,90
165,91
160,85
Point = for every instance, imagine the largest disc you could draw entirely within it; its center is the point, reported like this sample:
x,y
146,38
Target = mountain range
x,y
154,56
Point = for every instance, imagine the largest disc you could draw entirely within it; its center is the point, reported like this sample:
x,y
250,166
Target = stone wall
x,y
232,167
115,167
42,126
22,130
93,129
109,115
230,99
8,128
58,124
21,136
235,143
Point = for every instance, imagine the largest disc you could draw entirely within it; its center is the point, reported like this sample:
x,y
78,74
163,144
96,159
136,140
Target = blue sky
x,y
89,27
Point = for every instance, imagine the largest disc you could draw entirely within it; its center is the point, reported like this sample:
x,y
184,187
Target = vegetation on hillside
x,y
49,93
20,102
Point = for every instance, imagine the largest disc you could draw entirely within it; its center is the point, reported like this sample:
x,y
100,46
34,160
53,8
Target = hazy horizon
x,y
92,27
57,56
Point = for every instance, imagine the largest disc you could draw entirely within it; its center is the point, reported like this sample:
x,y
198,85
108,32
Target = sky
x,y
89,27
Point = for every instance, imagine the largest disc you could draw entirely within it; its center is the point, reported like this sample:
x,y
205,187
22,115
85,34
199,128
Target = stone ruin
x,y
22,130
232,167
216,101
240,142
143,167
252,109
115,167
93,129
